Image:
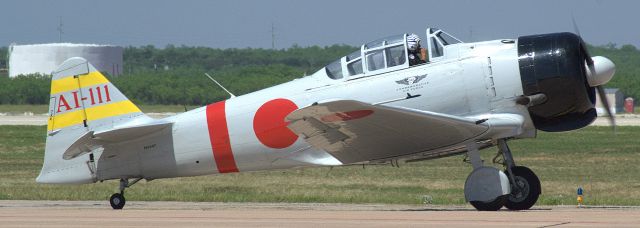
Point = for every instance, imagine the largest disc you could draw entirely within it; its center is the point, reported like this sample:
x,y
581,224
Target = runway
x,y
197,214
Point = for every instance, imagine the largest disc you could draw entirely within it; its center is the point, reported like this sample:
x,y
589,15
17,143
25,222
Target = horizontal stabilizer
x,y
128,133
82,145
94,140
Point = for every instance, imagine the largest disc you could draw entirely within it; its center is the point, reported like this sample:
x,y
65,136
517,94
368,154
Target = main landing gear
x,y
117,200
489,189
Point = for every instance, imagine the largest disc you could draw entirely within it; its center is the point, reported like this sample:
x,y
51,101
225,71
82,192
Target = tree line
x,y
175,75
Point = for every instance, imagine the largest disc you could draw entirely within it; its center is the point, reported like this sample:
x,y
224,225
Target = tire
x,y
523,199
490,206
117,201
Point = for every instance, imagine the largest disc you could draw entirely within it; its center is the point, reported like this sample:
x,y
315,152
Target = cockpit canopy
x,y
388,54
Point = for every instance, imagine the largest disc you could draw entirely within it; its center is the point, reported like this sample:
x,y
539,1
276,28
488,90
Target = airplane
x,y
377,105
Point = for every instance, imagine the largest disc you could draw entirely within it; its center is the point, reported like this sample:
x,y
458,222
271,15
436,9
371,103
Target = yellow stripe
x,y
65,120
93,113
70,83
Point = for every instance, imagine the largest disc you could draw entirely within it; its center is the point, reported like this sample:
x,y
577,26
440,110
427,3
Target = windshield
x,y
447,39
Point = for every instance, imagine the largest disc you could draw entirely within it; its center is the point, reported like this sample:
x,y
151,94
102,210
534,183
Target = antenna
x,y
209,76
60,32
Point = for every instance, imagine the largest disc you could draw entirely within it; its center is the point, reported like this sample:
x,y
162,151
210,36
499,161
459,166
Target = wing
x,y
354,131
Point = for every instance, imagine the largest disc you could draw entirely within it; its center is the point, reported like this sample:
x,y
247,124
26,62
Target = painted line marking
x,y
94,113
70,83
219,137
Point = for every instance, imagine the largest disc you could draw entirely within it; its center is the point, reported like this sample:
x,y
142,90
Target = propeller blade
x,y
583,46
605,104
587,56
575,26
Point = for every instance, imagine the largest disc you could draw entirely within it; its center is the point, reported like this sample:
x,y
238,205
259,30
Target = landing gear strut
x,y
525,185
117,200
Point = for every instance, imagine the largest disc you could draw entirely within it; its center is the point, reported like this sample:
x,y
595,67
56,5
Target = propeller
x,y
597,76
605,103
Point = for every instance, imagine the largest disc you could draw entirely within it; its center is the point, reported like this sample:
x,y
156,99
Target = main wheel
x,y
525,191
494,205
117,201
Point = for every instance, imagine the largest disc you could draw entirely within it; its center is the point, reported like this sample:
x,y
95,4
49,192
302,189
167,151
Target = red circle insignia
x,y
270,126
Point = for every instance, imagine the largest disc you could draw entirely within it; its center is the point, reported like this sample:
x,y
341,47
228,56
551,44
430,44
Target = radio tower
x,y
60,32
273,37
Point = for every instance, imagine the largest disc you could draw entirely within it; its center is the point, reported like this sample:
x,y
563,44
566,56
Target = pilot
x,y
417,54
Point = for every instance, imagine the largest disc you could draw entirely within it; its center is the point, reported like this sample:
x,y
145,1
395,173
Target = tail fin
x,y
82,96
82,100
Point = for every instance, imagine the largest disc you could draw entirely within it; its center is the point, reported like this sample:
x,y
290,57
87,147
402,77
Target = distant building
x,y
45,58
616,101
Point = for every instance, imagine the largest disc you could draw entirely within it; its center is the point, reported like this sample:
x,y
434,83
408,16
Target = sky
x,y
248,23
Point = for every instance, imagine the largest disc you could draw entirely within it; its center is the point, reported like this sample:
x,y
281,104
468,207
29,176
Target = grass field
x,y
606,165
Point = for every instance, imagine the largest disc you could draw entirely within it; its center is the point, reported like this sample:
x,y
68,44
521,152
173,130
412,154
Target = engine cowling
x,y
555,65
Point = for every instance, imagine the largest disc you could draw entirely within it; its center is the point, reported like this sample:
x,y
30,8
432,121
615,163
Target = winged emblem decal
x,y
411,80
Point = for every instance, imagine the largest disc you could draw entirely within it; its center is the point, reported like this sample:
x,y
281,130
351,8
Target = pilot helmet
x,y
413,42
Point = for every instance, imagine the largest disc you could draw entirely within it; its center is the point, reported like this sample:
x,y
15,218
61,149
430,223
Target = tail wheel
x,y
494,205
525,191
117,201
